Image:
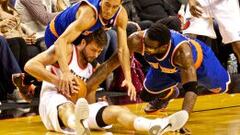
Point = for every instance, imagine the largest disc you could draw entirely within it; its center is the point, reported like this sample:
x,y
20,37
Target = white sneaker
x,y
170,123
82,113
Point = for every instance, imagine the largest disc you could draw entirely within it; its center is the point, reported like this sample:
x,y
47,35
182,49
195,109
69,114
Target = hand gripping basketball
x,y
82,90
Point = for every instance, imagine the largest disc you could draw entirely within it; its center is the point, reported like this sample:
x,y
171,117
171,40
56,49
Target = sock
x,y
71,121
142,124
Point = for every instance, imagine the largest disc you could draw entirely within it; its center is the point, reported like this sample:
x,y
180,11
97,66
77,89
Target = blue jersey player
x,y
77,21
174,59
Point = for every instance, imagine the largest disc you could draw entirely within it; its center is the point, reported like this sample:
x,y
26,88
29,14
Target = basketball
x,y
82,91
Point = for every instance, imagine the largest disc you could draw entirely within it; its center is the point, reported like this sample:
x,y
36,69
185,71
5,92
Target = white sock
x,y
71,121
142,124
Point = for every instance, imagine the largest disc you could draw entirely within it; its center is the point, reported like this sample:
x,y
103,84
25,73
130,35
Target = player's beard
x,y
85,57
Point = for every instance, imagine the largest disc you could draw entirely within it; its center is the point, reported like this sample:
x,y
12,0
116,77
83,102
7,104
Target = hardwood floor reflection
x,y
213,115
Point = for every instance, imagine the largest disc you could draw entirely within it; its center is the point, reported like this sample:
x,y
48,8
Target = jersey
x,y
83,74
164,74
60,23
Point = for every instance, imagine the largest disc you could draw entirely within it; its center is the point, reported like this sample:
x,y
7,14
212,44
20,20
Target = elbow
x,y
27,67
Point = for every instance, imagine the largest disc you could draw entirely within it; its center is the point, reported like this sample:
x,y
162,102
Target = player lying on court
x,y
174,59
83,18
62,114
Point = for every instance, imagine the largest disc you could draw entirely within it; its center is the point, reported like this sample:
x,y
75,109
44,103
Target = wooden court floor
x,y
213,115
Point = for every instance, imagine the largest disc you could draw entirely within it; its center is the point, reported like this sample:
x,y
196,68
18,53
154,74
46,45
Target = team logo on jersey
x,y
78,76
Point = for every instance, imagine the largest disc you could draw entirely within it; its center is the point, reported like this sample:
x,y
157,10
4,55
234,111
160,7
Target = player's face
x,y
91,51
109,8
153,47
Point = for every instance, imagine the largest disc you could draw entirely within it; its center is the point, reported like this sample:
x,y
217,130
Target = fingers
x,y
64,88
131,90
67,89
195,11
30,39
75,89
75,84
132,94
71,88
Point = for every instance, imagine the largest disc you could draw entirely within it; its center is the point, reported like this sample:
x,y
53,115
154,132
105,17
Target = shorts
x,y
225,12
49,102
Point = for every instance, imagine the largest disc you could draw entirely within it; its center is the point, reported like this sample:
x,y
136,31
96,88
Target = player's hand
x,y
195,8
66,85
131,89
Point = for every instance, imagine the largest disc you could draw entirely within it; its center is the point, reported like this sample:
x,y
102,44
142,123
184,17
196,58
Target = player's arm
x,y
134,43
123,52
85,19
184,61
61,5
36,66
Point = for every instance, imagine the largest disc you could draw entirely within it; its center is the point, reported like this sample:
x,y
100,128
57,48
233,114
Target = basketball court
x,y
213,115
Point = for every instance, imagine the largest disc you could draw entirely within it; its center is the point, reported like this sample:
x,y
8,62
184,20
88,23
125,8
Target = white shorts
x,y
225,12
50,100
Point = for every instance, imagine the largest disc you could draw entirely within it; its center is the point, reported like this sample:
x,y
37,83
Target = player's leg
x,y
74,116
236,49
227,13
124,117
159,89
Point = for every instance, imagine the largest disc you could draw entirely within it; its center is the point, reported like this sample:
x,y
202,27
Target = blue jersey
x,y
60,23
163,74
165,64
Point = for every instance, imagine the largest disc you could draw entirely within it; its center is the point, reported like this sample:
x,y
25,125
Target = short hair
x,y
159,32
131,28
99,36
172,22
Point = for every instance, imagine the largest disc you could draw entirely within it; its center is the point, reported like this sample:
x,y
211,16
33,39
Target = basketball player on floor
x,y
79,20
60,114
174,59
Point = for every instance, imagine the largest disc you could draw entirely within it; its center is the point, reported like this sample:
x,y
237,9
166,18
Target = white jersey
x,y
50,99
84,74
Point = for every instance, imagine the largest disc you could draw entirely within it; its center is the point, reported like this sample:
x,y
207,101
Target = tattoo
x,y
102,72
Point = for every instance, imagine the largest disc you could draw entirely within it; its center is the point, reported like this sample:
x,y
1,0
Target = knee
x,y
63,107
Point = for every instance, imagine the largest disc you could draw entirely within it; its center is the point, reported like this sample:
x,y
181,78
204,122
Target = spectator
x,y
35,15
226,13
8,66
153,10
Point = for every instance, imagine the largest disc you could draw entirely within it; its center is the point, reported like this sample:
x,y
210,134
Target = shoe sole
x,y
82,113
176,121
